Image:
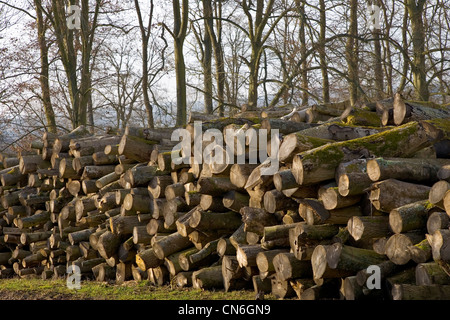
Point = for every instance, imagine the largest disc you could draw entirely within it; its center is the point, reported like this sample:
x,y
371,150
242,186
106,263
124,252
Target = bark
x,y
405,169
390,194
320,164
409,217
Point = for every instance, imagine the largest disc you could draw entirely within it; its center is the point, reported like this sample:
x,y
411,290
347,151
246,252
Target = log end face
x,y
344,185
373,170
399,109
297,169
395,221
319,261
355,228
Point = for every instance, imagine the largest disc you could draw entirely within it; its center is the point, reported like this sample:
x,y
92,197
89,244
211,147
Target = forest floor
x,y
38,289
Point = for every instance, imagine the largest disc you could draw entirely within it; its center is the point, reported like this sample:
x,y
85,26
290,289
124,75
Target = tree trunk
x,y
352,177
287,266
405,169
297,142
406,111
418,68
409,217
135,148
390,194
170,244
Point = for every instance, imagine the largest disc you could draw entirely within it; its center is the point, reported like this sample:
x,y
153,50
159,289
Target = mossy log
x,y
431,273
390,194
141,175
136,148
406,111
283,126
277,235
359,117
387,268
421,252
342,132
316,232
106,179
297,142
409,217
350,258
12,176
352,178
313,211
368,227
320,164
156,134
403,291
405,169
225,247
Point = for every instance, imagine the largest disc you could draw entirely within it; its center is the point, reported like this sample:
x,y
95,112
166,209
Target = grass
x,y
32,289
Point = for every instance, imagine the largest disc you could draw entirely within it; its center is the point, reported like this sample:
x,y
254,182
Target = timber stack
x,y
358,207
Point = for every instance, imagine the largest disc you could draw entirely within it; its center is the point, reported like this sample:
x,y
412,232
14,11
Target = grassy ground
x,y
37,289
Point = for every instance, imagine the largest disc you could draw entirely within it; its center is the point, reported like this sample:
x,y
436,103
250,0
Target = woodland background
x,y
149,63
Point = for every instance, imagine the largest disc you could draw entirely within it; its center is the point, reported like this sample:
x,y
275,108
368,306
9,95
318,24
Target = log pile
x,y
348,198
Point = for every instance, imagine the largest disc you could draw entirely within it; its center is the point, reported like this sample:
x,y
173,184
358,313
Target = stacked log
x,y
346,200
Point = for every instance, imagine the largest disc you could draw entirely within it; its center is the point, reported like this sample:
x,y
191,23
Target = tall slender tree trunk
x,y
404,75
378,61
322,53
145,35
351,53
179,34
302,37
43,75
415,10
207,61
